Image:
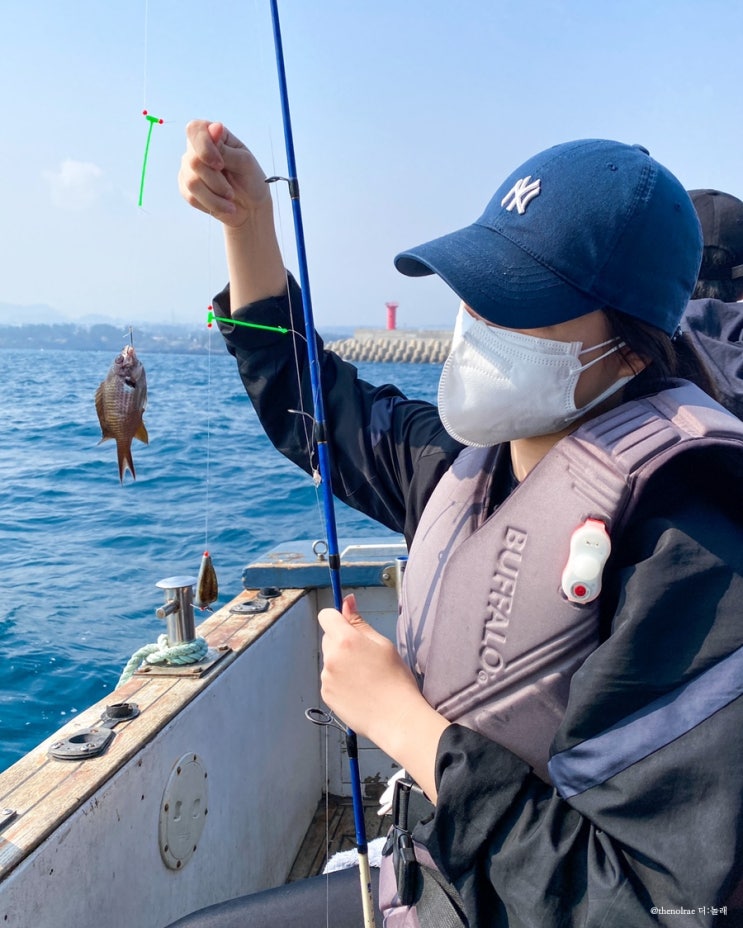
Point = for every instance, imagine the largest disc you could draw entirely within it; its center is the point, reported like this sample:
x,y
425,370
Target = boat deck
x,y
332,830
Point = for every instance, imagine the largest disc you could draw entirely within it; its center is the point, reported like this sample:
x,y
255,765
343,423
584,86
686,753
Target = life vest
x,y
484,622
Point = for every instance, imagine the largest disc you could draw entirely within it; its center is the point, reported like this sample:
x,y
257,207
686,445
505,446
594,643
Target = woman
x,y
569,690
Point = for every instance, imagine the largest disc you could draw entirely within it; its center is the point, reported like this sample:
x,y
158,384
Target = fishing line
x,y
152,120
307,418
146,43
209,258
327,831
265,64
207,586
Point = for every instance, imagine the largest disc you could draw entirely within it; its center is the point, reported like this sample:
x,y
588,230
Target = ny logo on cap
x,y
521,194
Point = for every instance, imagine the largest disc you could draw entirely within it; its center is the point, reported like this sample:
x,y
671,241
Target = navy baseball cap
x,y
581,226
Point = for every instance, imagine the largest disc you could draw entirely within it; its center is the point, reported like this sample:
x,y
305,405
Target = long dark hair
x,y
668,356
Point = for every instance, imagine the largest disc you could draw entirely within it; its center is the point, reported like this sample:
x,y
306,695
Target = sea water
x,y
80,554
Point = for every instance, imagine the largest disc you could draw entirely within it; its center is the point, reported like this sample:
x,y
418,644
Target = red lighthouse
x,y
391,315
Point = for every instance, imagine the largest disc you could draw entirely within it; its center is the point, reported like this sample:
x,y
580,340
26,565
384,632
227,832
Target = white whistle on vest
x,y
590,547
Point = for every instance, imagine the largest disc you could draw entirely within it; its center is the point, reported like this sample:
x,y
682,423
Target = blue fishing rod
x,y
323,457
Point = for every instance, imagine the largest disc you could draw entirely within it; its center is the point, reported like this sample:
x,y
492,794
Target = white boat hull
x,y
89,843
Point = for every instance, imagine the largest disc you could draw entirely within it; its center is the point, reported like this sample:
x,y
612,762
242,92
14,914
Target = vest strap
x,y
438,904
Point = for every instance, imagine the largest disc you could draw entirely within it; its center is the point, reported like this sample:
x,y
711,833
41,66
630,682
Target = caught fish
x,y
120,401
207,588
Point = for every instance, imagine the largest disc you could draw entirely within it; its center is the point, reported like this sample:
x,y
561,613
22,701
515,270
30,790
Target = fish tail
x,y
124,450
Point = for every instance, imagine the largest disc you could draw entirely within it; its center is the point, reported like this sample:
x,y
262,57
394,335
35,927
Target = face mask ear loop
x,y
618,347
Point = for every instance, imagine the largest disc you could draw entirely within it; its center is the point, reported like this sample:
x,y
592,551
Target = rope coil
x,y
162,652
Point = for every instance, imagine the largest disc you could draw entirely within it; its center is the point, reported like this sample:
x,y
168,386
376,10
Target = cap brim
x,y
497,279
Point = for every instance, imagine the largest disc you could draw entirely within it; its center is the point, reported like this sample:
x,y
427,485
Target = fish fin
x,y
100,408
141,434
125,460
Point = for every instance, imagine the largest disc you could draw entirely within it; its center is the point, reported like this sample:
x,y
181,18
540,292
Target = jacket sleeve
x,y
644,820
716,332
387,452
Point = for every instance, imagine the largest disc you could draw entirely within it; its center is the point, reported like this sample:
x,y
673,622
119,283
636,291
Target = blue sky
x,y
406,115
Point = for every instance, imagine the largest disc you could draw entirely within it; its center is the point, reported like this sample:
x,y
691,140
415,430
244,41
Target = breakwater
x,y
406,346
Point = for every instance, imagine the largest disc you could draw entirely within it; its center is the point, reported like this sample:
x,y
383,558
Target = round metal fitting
x,y
183,811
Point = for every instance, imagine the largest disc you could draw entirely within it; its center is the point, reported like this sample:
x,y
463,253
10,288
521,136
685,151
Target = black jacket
x,y
646,841
716,331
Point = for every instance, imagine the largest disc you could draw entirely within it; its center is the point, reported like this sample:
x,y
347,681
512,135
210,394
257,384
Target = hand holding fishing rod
x,y
368,685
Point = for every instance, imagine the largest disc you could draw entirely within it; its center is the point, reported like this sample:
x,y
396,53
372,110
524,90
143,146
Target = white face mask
x,y
498,385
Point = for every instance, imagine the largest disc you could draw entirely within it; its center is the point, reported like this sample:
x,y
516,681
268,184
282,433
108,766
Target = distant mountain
x,y
12,314
101,319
